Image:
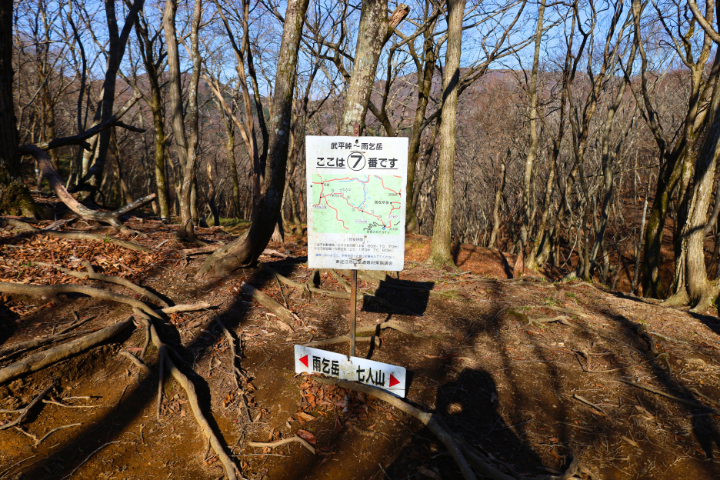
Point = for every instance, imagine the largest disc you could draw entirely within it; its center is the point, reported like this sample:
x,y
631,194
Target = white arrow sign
x,y
361,370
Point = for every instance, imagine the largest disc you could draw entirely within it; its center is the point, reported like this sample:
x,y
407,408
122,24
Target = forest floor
x,y
529,370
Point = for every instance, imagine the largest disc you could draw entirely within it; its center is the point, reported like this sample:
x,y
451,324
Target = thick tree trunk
x,y
373,33
14,195
440,253
245,251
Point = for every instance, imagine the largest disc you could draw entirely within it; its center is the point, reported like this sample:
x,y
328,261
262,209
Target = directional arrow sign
x,y
331,364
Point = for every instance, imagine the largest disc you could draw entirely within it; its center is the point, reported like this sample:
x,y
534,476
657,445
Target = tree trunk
x,y
266,211
373,33
498,199
440,253
424,88
117,43
534,141
185,138
15,197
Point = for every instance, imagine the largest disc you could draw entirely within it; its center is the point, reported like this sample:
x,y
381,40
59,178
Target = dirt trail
x,y
529,391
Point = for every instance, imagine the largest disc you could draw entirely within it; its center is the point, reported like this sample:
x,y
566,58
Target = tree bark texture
x,y
440,253
14,195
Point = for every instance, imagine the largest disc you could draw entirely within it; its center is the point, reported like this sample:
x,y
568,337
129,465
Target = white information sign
x,y
331,364
356,202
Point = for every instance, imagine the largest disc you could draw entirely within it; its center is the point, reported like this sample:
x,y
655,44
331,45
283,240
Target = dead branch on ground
x,y
284,441
186,308
24,411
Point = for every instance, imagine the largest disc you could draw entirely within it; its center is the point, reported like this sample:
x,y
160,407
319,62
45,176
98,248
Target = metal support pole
x,y
353,310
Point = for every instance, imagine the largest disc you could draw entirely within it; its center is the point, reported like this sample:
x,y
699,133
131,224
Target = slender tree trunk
x,y
186,137
267,210
117,43
424,89
440,250
534,141
498,200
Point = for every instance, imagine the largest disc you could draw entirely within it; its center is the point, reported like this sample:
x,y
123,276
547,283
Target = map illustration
x,y
363,204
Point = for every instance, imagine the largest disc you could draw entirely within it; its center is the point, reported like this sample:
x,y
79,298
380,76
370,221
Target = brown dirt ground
x,y
502,382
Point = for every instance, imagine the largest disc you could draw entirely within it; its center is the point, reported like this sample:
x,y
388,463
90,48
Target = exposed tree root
x,y
369,329
672,397
343,339
284,441
41,360
278,310
50,291
371,297
189,387
237,373
24,411
92,275
136,361
37,342
78,236
464,454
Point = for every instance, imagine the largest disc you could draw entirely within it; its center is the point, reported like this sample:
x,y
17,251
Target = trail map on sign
x,y
356,202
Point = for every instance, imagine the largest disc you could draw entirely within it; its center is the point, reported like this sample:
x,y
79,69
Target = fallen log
x,y
41,360
58,186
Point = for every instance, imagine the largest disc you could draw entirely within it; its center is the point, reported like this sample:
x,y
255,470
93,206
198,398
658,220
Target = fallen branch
x,y
284,441
278,310
92,275
590,404
40,360
187,308
57,184
79,236
49,291
24,411
189,388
